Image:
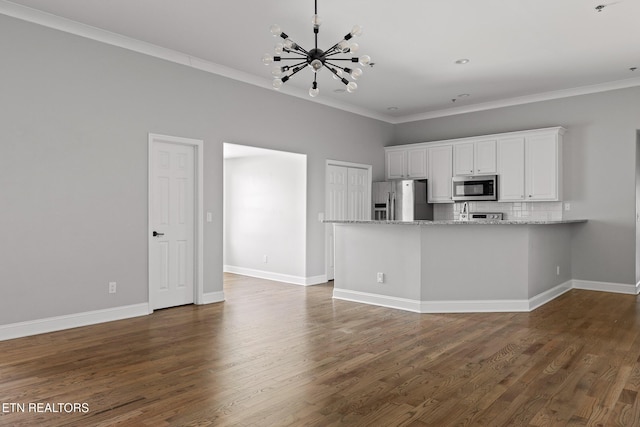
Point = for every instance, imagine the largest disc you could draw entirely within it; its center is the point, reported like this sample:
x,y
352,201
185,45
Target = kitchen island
x,y
453,266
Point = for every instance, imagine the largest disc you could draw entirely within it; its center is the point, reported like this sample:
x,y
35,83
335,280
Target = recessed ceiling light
x,y
392,108
463,95
462,61
339,91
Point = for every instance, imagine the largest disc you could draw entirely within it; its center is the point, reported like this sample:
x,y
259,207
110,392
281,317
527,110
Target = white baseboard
x,y
620,288
461,306
269,275
58,323
212,297
551,294
379,300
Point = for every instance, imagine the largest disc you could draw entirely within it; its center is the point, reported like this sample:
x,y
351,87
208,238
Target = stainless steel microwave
x,y
475,187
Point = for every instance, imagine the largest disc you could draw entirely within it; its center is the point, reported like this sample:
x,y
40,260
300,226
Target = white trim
x,y
548,295
379,300
619,288
461,306
212,297
198,145
72,27
520,100
278,277
59,323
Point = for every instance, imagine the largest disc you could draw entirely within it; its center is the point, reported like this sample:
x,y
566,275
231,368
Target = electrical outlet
x,y
380,277
567,206
557,270
112,287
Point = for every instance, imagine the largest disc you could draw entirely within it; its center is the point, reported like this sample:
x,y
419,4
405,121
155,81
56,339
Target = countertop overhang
x,y
456,222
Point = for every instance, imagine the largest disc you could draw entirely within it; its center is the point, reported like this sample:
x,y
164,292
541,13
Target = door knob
x,y
156,234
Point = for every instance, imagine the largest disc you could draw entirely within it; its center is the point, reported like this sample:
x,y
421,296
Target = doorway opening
x,y
265,213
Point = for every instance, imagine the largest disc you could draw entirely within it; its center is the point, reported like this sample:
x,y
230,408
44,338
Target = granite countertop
x,y
456,222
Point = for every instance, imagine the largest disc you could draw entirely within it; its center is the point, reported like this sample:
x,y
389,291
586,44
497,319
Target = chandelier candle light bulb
x,y
316,58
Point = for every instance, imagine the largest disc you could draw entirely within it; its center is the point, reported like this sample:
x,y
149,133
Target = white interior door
x,y
172,225
337,199
348,196
358,191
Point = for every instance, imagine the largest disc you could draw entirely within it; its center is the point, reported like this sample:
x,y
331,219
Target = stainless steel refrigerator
x,y
401,200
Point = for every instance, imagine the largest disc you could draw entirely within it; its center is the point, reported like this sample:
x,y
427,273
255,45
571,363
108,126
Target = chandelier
x,y
316,58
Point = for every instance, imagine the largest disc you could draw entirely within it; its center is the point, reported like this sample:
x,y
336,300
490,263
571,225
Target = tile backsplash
x,y
511,211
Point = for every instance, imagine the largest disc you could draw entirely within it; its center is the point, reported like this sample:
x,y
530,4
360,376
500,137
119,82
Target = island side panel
x,y
549,257
363,250
470,262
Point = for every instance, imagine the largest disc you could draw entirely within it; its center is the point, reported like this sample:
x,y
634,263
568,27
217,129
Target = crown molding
x,y
520,100
73,27
79,29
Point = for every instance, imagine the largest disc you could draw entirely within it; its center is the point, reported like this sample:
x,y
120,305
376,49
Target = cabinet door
x,y
511,169
440,171
542,167
396,164
485,157
463,159
417,163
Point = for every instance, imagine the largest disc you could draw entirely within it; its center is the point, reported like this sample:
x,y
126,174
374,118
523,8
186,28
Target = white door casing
x,y
347,196
175,197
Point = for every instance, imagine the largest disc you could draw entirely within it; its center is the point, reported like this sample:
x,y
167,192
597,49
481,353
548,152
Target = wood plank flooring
x,y
283,355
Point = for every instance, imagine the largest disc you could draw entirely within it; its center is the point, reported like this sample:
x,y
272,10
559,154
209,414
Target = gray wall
x,y
265,213
74,119
600,161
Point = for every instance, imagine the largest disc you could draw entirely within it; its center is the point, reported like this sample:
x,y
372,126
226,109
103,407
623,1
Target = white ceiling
x,y
518,50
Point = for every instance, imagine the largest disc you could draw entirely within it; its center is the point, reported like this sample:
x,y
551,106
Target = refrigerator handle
x,y
392,207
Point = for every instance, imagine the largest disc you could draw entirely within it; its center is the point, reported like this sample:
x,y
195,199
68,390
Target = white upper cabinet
x,y
511,169
406,163
485,157
475,158
440,169
417,163
463,159
543,172
530,166
396,161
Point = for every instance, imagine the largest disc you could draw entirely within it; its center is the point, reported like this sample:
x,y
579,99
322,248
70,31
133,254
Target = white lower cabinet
x,y
440,172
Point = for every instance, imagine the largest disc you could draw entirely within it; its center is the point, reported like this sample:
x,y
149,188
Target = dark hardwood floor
x,y
276,355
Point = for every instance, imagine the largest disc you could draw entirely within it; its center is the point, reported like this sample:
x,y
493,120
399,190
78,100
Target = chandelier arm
x,y
290,59
337,66
342,79
302,53
302,50
297,70
344,59
298,64
332,49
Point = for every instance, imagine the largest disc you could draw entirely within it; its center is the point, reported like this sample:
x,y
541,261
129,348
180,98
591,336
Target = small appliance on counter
x,y
402,200
473,188
485,216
